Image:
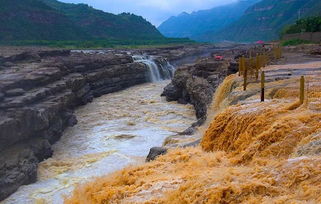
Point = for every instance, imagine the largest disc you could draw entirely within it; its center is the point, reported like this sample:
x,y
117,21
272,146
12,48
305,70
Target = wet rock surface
x,y
39,89
197,83
155,152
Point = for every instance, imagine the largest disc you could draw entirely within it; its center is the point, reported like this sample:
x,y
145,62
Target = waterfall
x,y
157,71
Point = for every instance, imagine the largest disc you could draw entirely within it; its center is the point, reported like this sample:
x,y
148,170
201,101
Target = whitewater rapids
x,y
114,131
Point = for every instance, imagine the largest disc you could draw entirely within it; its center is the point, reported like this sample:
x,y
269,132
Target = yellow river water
x,y
114,131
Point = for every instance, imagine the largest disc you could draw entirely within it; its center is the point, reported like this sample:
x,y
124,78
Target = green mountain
x,y
54,20
32,19
100,24
197,23
265,20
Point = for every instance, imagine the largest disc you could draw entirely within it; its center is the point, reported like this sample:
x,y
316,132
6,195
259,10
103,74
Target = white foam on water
x,y
114,131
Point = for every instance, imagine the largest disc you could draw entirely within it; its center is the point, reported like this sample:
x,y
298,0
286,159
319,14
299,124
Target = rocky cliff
x,y
196,83
38,92
40,88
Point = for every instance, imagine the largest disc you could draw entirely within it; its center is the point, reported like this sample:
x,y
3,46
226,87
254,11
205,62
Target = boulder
x,y
155,152
171,92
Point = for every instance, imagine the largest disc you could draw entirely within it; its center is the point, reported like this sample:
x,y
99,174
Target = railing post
x,y
280,52
262,86
240,65
252,65
302,87
243,64
261,60
275,54
257,67
245,77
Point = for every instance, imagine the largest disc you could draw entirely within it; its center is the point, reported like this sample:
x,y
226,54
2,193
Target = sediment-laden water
x,y
114,131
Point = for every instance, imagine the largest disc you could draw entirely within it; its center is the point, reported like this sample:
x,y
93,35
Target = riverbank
x,y
40,88
252,152
114,131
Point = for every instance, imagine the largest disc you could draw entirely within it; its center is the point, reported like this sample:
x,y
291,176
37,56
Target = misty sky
x,y
155,11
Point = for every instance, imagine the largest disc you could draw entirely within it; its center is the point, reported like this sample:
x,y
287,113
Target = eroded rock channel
x,y
113,131
39,91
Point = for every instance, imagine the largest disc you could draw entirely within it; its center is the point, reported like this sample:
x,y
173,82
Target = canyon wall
x,y
40,88
196,83
38,93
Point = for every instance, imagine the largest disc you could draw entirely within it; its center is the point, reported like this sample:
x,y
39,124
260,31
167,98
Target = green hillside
x,y
53,20
309,24
265,20
100,24
197,23
32,19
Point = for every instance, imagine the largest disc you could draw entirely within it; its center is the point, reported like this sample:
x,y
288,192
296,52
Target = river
x,y
114,131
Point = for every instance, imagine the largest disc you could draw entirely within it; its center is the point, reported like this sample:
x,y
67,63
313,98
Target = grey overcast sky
x,y
155,11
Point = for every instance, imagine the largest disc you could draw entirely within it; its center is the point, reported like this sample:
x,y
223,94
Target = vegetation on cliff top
x,y
309,24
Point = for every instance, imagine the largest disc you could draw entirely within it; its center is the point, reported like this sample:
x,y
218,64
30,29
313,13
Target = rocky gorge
x,y
195,84
40,89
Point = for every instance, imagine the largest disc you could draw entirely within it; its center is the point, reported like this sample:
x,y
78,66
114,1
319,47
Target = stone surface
x,y
155,152
18,166
197,83
38,94
15,92
39,89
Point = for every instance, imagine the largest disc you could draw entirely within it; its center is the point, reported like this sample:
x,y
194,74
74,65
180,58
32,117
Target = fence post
x,y
257,67
263,60
280,52
245,78
240,65
302,87
275,52
262,86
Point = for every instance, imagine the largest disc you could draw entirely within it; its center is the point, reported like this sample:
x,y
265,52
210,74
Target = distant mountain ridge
x,y
265,20
243,21
197,23
54,20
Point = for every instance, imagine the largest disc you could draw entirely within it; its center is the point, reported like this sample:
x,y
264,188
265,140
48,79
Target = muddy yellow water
x,y
251,152
114,131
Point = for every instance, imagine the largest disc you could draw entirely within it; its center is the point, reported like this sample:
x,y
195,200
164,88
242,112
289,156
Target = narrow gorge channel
x,y
114,131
